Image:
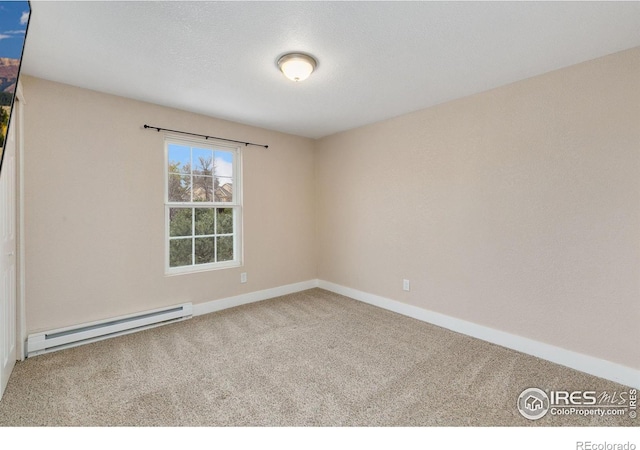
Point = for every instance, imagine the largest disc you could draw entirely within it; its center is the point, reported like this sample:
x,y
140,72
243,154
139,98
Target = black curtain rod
x,y
205,136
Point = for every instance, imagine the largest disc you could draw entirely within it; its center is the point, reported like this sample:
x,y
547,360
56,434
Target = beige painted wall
x,y
94,214
517,209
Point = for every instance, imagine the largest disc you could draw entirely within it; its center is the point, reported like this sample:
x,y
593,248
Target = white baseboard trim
x,y
252,297
578,361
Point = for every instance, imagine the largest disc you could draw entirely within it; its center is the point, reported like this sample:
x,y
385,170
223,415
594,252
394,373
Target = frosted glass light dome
x,y
297,66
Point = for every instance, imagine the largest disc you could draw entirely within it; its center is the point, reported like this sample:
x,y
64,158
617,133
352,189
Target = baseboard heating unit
x,y
61,338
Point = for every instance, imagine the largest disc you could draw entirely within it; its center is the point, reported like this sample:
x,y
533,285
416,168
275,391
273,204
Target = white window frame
x,y
235,205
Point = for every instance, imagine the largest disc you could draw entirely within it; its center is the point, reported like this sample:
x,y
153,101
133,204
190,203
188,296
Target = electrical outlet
x,y
405,285
243,277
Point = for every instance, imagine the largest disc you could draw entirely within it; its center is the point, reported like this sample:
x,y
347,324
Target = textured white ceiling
x,y
376,59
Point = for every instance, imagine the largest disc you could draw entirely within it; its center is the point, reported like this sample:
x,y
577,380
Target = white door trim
x,y
21,310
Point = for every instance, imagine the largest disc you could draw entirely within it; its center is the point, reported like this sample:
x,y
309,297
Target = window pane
x,y
225,248
224,190
225,221
180,252
179,158
205,221
179,188
202,161
202,189
180,221
223,164
205,251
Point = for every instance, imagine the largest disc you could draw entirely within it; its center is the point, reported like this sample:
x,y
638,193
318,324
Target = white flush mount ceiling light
x,y
297,66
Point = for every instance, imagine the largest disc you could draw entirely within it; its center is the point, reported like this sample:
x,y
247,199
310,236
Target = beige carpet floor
x,y
308,359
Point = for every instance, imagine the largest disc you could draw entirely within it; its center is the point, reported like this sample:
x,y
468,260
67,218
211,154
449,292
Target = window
x,y
202,206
